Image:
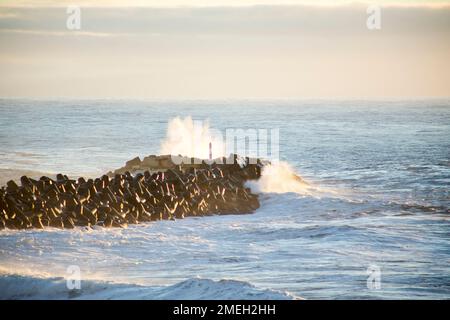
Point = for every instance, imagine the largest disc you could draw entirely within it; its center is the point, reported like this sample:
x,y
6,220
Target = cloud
x,y
216,52
227,21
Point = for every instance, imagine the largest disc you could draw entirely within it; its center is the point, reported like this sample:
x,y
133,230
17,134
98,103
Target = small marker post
x,y
210,151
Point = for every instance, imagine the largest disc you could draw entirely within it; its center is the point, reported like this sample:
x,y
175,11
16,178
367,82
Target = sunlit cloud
x,y
221,52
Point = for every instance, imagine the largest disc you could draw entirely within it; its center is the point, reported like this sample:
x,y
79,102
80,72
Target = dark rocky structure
x,y
141,194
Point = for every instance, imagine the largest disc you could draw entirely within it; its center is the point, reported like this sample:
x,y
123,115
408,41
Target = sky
x,y
221,49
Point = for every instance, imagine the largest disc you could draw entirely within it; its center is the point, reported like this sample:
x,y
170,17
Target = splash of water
x,y
280,178
191,138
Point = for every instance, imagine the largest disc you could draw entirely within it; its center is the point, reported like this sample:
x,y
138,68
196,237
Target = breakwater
x,y
142,191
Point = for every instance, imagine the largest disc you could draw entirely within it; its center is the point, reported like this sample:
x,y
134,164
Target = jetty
x,y
155,188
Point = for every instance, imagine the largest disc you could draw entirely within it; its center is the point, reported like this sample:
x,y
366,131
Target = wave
x,y
280,177
191,138
26,287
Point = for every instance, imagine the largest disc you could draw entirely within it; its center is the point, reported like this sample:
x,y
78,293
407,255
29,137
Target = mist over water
x,y
358,184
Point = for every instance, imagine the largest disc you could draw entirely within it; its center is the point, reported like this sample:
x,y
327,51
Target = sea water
x,y
378,199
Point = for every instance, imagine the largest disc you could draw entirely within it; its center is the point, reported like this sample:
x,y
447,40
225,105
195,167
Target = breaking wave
x,y
191,138
279,178
25,287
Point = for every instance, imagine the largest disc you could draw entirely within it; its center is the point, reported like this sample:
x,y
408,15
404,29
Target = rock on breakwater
x,y
137,193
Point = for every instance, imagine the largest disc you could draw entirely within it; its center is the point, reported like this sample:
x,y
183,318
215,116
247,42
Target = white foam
x,y
280,178
24,287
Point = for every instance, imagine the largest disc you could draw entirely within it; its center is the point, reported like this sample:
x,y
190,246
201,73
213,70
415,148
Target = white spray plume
x,y
279,178
191,138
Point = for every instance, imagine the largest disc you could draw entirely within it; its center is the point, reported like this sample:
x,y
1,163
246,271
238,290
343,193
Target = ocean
x,y
377,203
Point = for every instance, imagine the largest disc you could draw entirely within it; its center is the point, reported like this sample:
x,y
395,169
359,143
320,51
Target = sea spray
x,y
195,138
192,138
280,178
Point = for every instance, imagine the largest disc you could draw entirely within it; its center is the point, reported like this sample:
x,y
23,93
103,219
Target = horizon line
x,y
417,98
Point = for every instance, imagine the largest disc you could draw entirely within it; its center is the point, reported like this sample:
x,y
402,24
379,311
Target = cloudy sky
x,y
224,49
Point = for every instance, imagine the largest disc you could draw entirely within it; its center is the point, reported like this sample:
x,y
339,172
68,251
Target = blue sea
x,y
380,171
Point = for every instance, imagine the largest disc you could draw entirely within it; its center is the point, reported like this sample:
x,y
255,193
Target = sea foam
x,y
25,287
